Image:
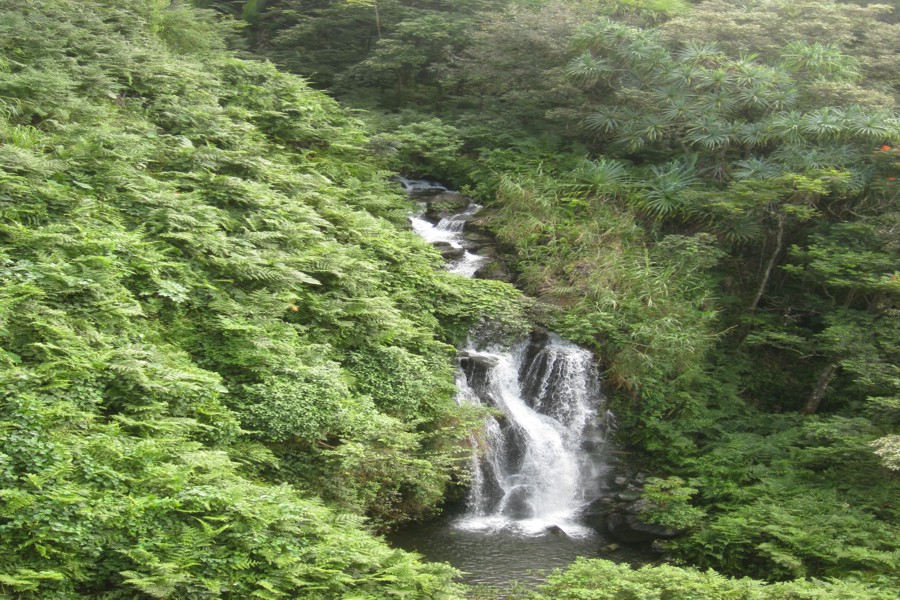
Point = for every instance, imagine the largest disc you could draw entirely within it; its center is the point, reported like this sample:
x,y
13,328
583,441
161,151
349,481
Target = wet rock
x,y
609,548
446,204
483,361
477,240
594,514
516,504
556,530
421,188
629,529
638,506
540,335
448,251
620,481
495,270
490,251
659,546
629,496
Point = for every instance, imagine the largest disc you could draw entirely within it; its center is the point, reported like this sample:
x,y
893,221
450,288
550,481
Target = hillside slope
x,y
217,348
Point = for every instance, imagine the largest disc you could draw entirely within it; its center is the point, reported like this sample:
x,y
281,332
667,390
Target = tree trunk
x,y
815,398
779,239
377,19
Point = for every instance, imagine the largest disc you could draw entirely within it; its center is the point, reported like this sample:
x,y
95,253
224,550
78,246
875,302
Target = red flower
x,y
885,148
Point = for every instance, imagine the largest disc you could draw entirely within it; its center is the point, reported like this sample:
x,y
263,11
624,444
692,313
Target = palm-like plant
x,y
754,168
738,229
600,36
825,123
607,119
755,96
700,53
718,102
873,126
588,69
681,109
718,79
784,98
603,177
711,133
820,61
662,194
753,134
787,127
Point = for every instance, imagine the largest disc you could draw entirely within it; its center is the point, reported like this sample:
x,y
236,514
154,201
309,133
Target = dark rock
x,y
609,548
480,241
659,546
540,335
423,190
446,204
490,251
630,496
556,530
448,251
516,504
594,514
638,506
629,529
478,360
494,269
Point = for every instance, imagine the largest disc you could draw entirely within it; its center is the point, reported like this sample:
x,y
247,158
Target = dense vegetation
x,y
706,195
218,349
224,363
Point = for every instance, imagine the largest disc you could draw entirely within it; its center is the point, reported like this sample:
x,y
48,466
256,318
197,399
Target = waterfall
x,y
540,461
541,458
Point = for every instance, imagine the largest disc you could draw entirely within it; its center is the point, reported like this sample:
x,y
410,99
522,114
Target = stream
x,y
540,462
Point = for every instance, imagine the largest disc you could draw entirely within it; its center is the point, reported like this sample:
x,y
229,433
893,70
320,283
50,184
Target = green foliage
x,y
207,280
422,148
670,500
206,306
605,580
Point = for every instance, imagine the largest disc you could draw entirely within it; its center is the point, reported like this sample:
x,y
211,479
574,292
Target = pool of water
x,y
501,553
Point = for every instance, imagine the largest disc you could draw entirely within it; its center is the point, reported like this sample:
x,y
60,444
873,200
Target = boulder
x,y
516,505
628,496
594,514
482,361
446,204
476,240
629,529
448,251
494,269
556,530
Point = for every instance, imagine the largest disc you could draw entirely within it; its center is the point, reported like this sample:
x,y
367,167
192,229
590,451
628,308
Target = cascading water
x,y
541,460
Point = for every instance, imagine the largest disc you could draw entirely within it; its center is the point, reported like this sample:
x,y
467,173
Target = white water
x,y
536,470
450,231
413,186
539,463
